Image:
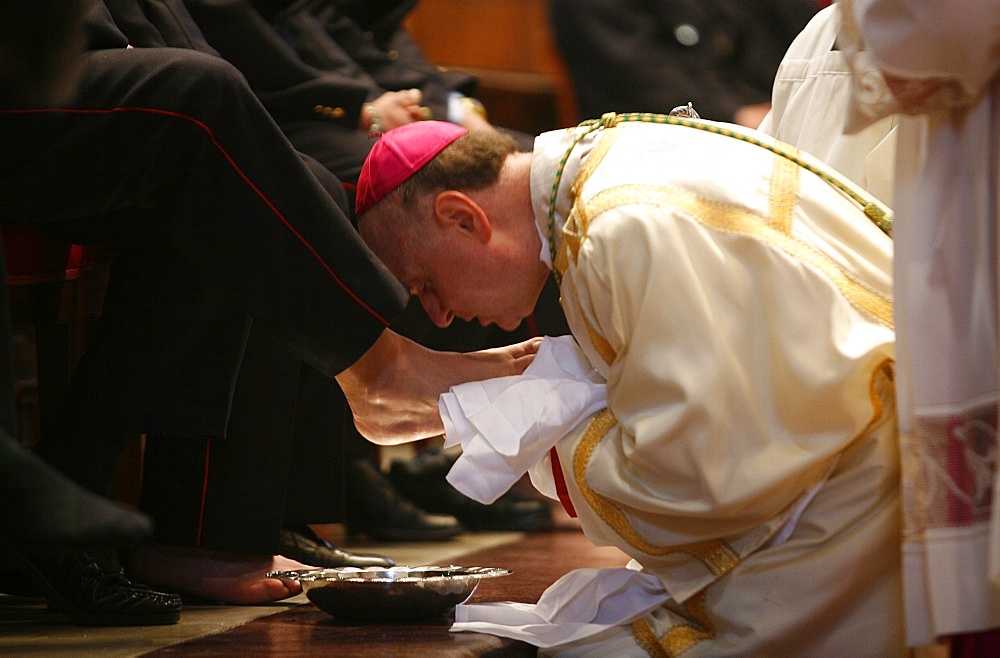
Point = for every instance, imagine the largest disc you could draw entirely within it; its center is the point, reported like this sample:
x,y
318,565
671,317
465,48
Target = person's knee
x,y
179,80
200,77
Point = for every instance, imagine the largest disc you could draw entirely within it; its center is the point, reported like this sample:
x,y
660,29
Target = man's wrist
x,y
459,108
473,105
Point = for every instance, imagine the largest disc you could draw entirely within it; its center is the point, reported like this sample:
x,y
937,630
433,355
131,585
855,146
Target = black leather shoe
x,y
376,509
91,589
300,543
422,480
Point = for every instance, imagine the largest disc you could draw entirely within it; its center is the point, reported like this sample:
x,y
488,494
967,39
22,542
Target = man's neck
x,y
516,182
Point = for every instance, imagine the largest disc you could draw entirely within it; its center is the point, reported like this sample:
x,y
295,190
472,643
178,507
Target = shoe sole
x,y
84,618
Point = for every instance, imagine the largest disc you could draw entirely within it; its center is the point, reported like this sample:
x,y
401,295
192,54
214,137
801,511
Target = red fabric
x,y
397,155
33,257
976,645
560,480
204,491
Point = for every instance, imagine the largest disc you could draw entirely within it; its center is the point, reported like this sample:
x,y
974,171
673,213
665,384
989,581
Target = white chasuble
x,y
738,309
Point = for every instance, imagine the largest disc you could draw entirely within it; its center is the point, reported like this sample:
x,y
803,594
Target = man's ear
x,y
454,209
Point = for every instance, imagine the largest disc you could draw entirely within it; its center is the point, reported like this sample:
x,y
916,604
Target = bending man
x,y
736,308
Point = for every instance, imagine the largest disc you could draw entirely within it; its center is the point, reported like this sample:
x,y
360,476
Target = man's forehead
x,y
400,259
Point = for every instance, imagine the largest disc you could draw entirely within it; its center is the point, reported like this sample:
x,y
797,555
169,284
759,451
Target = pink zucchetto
x,y
397,155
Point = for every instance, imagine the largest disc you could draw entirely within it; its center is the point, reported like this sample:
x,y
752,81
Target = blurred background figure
x,y
653,55
935,66
903,98
809,108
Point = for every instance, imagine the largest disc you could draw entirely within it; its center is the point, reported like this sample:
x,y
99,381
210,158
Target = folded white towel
x,y
507,425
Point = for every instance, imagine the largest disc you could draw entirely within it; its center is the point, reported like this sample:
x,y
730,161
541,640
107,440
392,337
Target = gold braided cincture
x,y
874,211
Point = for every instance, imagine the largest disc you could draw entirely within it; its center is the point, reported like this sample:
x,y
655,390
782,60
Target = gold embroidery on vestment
x,y
679,638
716,555
570,243
608,137
784,194
646,639
600,343
575,229
882,392
740,221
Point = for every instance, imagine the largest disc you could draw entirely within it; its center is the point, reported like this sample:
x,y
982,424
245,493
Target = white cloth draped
x,y
581,604
507,425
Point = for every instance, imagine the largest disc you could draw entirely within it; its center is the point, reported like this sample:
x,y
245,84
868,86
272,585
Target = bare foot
x,y
393,389
215,575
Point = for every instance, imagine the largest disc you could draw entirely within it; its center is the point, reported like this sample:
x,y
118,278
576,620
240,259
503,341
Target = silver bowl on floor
x,y
389,594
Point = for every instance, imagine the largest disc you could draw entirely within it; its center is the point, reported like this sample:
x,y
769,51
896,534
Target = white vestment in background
x,y
809,108
944,59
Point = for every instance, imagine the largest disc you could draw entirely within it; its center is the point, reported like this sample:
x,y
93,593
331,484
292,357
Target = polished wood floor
x,y
297,628
537,560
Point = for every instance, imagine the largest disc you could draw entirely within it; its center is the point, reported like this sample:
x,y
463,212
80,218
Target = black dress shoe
x,y
300,543
91,589
422,480
376,509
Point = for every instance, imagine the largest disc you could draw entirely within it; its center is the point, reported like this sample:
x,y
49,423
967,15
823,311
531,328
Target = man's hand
x,y
393,389
392,109
473,121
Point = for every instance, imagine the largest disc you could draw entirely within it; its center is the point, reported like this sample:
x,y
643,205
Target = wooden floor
x,y
297,628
